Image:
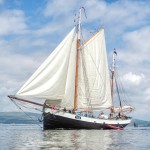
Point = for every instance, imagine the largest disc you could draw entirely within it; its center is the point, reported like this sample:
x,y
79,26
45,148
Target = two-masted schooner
x,y
77,85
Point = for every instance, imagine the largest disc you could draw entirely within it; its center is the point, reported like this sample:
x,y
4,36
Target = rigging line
x,y
97,69
125,95
82,37
24,112
84,12
118,92
86,80
84,71
78,17
85,74
97,72
123,90
119,86
29,107
88,93
88,31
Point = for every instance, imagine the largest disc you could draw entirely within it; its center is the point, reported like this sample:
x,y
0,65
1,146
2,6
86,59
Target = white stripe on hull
x,y
88,119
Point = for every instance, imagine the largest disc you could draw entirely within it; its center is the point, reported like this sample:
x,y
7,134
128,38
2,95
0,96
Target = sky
x,y
31,29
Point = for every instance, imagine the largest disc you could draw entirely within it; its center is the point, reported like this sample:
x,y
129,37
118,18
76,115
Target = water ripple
x,y
31,137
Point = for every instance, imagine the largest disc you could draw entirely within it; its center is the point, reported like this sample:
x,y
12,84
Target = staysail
x,y
54,79
94,81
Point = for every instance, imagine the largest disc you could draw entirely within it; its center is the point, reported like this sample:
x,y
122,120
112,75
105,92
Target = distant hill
x,y
19,118
22,118
140,123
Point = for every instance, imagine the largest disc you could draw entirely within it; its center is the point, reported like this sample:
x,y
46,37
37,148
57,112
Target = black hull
x,y
51,121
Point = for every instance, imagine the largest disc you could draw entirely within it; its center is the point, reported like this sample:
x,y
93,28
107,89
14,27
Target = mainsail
x,y
94,81
55,78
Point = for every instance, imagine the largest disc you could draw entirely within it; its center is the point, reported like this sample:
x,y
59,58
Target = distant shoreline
x,y
19,118
22,118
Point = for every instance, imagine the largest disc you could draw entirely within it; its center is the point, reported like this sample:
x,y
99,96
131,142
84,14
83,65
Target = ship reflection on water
x,y
28,136
79,139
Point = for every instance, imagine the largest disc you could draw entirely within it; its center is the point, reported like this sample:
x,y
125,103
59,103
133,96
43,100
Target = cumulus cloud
x,y
137,38
116,17
137,46
133,79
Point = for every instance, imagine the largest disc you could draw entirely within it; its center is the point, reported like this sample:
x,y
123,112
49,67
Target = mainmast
x,y
112,75
113,78
77,58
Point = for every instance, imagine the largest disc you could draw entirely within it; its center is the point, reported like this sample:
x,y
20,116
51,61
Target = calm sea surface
x,y
32,137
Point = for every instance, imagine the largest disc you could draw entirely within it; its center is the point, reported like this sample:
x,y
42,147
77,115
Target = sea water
x,y
33,137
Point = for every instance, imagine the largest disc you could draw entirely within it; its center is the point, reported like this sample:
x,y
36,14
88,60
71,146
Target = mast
x,y
77,59
112,74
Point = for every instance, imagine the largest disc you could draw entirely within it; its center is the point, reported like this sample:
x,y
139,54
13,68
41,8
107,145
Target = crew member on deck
x,y
54,107
64,109
102,116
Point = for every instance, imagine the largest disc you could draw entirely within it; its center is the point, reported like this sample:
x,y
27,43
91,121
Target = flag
x,y
115,51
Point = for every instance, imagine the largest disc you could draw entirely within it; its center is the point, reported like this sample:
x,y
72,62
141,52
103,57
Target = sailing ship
x,y
77,86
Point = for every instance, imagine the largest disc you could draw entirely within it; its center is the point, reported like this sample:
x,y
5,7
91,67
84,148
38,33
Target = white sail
x,y
55,78
52,79
125,108
94,81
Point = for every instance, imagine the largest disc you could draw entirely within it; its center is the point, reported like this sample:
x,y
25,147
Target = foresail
x,y
51,79
94,82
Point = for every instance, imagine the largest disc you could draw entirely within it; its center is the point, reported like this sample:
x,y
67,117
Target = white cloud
x,y
59,8
48,29
147,95
133,79
12,22
147,91
15,70
118,15
137,38
134,53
